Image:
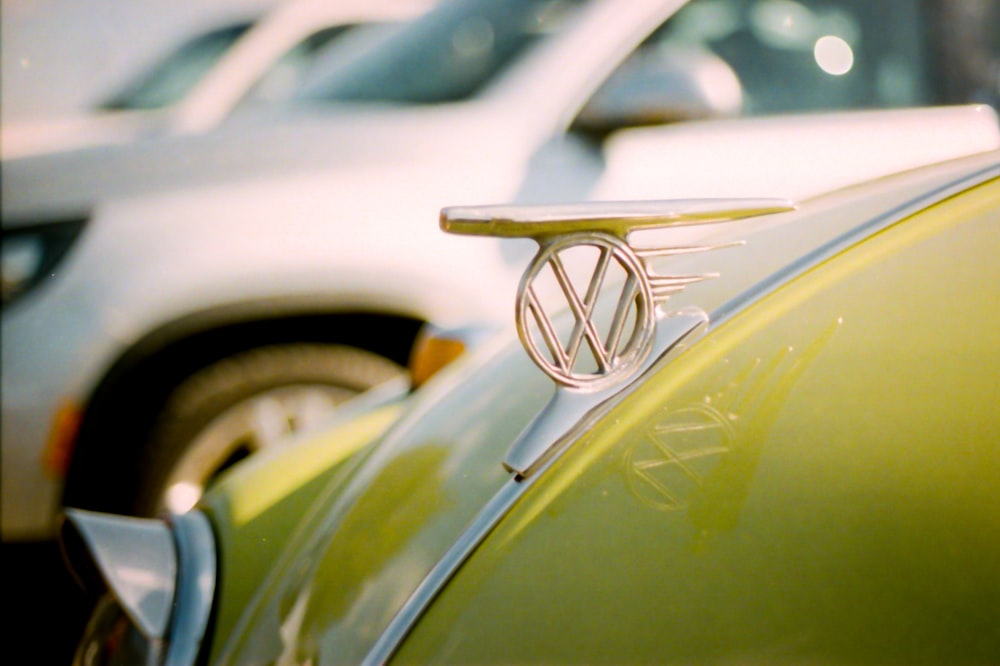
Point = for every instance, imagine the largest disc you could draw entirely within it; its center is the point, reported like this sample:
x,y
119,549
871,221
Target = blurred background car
x,y
173,305
794,456
252,60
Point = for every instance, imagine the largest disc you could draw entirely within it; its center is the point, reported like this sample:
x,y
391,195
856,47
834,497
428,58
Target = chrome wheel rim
x,y
263,421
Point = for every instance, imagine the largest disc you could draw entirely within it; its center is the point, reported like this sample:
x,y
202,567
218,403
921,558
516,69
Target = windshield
x,y
173,77
447,56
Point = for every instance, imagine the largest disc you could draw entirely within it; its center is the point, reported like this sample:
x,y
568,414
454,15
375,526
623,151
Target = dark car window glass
x,y
178,73
811,55
288,73
448,56
760,57
969,49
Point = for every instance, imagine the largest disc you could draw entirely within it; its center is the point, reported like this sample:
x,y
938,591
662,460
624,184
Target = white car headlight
x,y
31,253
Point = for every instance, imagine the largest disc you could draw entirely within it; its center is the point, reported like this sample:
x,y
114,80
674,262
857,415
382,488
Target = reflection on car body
x,y
810,477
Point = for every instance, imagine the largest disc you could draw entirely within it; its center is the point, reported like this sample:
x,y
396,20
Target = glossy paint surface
x,y
317,575
352,562
817,480
258,506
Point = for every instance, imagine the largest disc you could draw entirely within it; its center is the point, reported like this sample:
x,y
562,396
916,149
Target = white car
x,y
171,306
257,60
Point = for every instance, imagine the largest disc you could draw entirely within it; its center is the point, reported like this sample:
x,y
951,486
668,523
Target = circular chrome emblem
x,y
597,352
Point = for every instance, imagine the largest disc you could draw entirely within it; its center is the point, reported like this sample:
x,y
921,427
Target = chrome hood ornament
x,y
638,331
618,349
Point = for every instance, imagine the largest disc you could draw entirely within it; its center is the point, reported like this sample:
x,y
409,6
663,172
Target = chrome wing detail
x,y
596,357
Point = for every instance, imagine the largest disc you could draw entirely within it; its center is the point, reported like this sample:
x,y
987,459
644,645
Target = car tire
x,y
242,404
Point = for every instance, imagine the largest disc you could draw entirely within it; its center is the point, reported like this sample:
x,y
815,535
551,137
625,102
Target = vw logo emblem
x,y
595,354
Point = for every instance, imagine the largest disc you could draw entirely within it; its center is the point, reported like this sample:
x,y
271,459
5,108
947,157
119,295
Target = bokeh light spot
x,y
833,55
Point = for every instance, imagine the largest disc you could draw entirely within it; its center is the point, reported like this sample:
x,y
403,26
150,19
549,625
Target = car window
x,y
761,57
970,50
810,55
286,75
174,76
448,56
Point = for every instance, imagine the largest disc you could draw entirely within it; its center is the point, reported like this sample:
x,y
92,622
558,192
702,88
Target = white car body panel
x,y
796,154
215,96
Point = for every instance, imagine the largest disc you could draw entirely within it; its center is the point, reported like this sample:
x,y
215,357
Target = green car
x,y
755,431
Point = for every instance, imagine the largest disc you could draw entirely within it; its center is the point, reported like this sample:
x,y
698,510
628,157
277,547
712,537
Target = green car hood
x,y
816,480
382,520
380,523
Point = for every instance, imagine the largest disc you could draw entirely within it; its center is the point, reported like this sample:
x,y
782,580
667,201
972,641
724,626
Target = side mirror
x,y
663,84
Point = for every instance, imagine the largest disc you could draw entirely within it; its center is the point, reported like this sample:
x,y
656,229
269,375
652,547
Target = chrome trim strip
x,y
617,218
196,581
511,492
434,581
820,254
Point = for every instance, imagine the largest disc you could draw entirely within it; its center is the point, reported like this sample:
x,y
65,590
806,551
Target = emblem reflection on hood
x,y
619,346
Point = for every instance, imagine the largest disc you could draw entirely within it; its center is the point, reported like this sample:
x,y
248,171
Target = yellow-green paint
x,y
366,545
817,480
260,505
265,480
